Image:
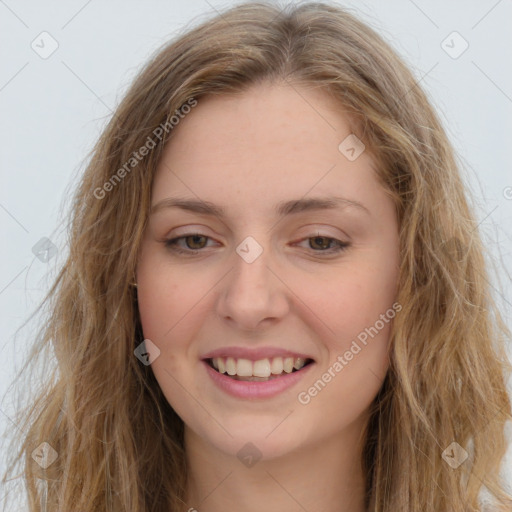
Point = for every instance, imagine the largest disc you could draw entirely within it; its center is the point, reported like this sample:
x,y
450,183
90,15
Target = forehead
x,y
260,120
266,144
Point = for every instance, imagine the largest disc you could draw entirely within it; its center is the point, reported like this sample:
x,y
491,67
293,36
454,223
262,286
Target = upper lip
x,y
253,354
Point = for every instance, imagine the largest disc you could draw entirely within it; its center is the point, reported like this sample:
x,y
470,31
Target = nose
x,y
253,293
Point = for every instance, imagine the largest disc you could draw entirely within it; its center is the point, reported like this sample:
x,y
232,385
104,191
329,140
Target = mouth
x,y
261,370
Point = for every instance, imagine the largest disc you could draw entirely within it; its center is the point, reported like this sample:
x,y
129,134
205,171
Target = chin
x,y
250,437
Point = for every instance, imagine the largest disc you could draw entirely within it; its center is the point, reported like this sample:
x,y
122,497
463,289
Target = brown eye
x,y
320,242
325,245
190,243
196,241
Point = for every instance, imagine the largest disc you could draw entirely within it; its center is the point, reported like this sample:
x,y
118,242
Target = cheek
x,y
166,295
173,303
360,313
162,302
170,319
169,304
351,299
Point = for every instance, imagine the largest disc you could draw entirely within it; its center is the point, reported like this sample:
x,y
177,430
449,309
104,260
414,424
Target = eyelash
x,y
172,245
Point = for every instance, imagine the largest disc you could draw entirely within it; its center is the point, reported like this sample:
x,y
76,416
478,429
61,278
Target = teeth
x,y
264,368
231,366
288,364
299,363
277,365
244,368
261,368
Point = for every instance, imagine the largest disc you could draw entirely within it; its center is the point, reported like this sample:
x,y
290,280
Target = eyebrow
x,y
281,209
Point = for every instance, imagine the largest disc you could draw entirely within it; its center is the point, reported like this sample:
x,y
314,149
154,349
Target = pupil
x,y
320,238
195,240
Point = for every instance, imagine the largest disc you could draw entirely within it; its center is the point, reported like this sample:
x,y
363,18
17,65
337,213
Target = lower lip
x,y
262,389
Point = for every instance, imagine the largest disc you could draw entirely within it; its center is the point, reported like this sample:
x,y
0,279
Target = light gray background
x,y
52,110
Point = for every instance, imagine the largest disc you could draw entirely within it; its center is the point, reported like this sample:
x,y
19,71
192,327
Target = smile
x,y
248,379
257,371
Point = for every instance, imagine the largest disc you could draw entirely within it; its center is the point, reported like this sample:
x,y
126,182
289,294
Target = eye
x,y
194,242
326,244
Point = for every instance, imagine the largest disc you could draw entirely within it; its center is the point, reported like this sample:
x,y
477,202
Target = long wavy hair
x,y
118,443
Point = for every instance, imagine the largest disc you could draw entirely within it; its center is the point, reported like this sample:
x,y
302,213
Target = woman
x,y
275,297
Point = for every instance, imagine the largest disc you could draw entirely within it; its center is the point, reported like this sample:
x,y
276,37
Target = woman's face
x,y
258,273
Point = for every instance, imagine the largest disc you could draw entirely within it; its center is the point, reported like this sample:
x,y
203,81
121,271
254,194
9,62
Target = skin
x,y
246,153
